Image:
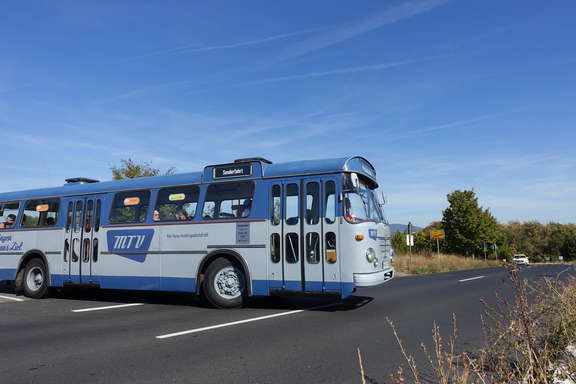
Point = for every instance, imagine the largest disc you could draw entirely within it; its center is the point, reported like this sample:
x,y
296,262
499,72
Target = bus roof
x,y
306,167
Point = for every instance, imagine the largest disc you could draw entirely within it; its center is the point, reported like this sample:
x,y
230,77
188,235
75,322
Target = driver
x,y
348,213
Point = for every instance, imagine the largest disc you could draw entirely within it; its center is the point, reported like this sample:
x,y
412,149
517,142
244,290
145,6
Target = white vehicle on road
x,y
521,259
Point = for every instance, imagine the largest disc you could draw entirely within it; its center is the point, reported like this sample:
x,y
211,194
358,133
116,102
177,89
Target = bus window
x,y
8,215
78,216
312,248
89,216
292,255
354,208
330,202
177,203
69,215
129,207
292,204
40,213
98,209
66,249
95,250
276,205
275,247
228,200
330,247
312,203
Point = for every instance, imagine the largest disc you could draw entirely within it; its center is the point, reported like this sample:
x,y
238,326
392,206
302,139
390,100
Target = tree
x,y
468,225
399,243
568,250
538,241
130,170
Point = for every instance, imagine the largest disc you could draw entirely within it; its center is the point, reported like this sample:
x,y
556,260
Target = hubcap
x,y
35,279
229,283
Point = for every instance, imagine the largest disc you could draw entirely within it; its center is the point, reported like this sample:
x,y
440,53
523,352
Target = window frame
x,y
206,200
150,197
18,213
49,201
157,199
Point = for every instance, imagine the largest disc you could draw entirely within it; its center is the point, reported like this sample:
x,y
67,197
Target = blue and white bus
x,y
236,230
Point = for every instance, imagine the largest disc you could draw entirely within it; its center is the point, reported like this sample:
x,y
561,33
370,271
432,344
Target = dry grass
x,y
424,264
526,340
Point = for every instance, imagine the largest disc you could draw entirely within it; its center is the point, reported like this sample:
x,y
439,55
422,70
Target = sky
x,y
438,94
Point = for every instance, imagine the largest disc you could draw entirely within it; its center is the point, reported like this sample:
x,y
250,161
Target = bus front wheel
x,y
224,284
35,279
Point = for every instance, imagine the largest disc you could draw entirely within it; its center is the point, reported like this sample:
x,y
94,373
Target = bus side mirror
x,y
354,180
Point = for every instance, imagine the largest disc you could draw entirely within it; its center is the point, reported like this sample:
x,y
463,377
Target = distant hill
x,y
403,227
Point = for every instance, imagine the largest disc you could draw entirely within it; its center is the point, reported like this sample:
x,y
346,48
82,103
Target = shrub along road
x,y
110,337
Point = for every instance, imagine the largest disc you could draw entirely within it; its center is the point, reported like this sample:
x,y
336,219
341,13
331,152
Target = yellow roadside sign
x,y
437,234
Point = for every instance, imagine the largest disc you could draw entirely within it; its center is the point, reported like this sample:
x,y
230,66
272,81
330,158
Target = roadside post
x,y
410,243
437,234
495,247
485,246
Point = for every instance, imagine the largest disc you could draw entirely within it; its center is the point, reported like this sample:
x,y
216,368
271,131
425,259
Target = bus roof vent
x,y
249,159
81,180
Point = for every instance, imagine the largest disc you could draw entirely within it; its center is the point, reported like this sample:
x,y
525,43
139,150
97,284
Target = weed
x,y
526,339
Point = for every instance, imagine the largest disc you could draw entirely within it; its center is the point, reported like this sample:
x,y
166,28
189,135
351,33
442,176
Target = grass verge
x,y
424,264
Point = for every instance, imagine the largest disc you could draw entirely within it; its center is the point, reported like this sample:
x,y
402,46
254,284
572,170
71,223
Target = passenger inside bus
x,y
182,215
156,215
9,223
243,210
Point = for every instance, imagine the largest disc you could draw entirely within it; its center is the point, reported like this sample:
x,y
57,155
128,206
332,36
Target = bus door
x,y
330,235
311,213
321,267
303,236
285,267
81,247
292,252
276,260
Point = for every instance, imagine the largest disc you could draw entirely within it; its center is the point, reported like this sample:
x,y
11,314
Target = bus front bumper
x,y
373,278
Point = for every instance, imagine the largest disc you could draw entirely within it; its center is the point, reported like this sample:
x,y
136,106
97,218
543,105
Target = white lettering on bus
x,y
125,241
232,171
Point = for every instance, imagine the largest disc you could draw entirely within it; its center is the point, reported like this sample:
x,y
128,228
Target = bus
x,y
230,232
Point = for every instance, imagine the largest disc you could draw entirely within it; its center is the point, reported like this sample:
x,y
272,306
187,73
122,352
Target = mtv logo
x,y
132,244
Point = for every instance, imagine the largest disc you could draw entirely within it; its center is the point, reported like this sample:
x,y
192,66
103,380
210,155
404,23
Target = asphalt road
x,y
90,336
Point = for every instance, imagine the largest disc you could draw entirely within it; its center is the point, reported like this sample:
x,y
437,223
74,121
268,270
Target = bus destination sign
x,y
227,171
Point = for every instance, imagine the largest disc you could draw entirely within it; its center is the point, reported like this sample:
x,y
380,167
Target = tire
x,y
224,284
35,280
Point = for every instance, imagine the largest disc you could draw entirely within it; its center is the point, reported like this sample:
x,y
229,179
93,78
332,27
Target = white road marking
x,y
472,278
239,322
11,298
108,307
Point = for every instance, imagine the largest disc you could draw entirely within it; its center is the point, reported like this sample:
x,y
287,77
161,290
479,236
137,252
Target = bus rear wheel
x,y
35,279
224,284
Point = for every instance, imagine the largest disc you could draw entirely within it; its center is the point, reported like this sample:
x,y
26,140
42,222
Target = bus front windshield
x,y
360,202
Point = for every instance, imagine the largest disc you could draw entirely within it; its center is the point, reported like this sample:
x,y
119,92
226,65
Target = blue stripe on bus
x,y
188,284
293,285
7,274
144,283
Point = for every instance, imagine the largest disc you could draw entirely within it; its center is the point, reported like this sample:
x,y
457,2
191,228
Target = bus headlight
x,y
370,255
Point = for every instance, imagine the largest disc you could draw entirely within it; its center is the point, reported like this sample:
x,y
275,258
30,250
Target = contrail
x,y
388,16
195,49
